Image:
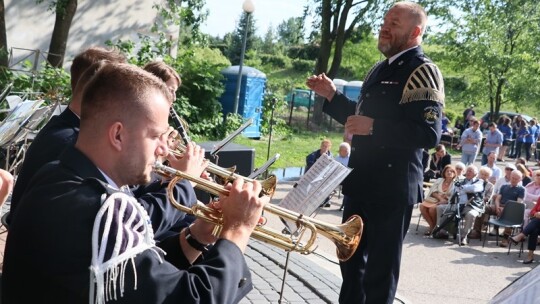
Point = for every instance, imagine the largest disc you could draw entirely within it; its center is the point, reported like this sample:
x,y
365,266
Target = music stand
x,y
12,129
308,193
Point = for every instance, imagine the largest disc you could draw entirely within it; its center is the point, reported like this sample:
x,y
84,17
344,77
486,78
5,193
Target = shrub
x,y
301,65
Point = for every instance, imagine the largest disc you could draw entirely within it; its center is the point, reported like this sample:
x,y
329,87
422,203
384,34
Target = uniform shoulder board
x,y
424,83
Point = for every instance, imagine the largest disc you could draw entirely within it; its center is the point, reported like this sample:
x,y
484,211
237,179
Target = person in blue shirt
x,y
535,131
494,140
326,144
523,136
470,142
344,153
504,125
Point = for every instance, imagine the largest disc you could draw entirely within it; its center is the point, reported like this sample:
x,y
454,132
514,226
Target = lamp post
x,y
248,8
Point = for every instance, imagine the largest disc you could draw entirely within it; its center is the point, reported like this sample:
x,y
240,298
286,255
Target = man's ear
x,y
117,135
416,32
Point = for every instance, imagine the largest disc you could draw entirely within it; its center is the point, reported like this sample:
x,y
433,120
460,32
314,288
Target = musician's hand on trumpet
x,y
241,211
191,161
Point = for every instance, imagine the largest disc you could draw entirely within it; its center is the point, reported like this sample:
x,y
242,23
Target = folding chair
x,y
511,217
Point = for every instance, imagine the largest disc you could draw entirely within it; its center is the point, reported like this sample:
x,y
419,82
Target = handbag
x,y
431,199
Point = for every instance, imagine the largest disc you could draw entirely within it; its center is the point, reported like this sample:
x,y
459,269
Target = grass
x,y
293,150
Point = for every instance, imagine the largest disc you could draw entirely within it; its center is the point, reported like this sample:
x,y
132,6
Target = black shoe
x,y
441,235
528,261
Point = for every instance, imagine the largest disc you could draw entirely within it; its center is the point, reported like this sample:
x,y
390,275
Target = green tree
x,y
291,31
494,42
247,23
64,12
187,15
335,28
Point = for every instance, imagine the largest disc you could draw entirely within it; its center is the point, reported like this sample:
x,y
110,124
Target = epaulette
x,y
424,83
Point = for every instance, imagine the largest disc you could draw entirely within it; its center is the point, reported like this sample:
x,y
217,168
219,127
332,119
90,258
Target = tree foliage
x,y
291,31
246,23
335,29
493,43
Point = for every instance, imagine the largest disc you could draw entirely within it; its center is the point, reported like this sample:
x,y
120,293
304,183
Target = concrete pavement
x,y
433,271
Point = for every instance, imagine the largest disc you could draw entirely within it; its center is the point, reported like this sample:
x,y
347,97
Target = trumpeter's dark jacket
x,y
59,132
49,249
405,100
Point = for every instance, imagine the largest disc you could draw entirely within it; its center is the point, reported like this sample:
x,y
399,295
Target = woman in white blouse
x,y
438,194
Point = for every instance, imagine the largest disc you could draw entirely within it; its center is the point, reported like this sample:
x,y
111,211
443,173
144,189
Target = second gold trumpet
x,y
228,175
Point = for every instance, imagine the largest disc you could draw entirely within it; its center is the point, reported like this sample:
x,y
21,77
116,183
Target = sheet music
x,y
314,187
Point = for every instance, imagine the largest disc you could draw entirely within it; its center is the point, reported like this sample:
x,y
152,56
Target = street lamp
x,y
248,8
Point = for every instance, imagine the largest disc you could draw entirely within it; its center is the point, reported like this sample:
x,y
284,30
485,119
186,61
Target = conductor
x,y
398,114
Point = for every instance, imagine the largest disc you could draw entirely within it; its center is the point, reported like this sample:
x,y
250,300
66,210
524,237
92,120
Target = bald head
x,y
416,13
403,27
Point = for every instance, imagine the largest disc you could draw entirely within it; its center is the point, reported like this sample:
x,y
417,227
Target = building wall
x,y
29,25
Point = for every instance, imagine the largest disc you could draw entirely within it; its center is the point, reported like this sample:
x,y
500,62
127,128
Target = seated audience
x,y
438,194
532,229
460,170
492,165
344,153
532,194
510,192
505,180
438,161
84,257
326,144
470,202
526,175
484,174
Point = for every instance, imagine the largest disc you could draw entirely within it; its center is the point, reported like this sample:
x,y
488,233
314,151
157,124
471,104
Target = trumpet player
x,y
63,130
76,237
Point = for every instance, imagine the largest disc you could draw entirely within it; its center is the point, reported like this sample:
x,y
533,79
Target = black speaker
x,y
231,155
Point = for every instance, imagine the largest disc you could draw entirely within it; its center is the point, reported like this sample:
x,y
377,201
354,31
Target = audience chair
x,y
512,216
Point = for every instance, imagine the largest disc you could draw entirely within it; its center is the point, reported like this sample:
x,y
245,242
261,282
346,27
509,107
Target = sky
x,y
224,14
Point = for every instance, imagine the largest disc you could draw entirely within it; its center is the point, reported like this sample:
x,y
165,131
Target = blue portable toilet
x,y
251,96
339,83
353,89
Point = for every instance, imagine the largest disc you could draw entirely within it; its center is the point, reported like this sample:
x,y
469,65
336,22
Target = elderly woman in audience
x,y
460,170
344,153
532,194
438,194
531,230
484,174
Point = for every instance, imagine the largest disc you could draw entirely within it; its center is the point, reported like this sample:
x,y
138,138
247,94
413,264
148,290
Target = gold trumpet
x,y
345,236
228,175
